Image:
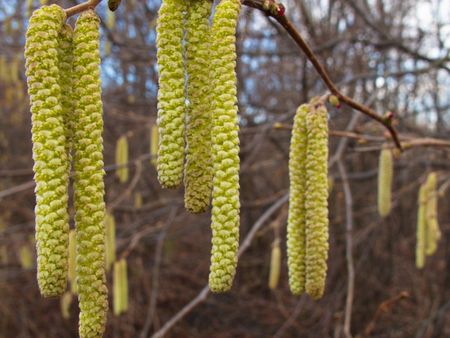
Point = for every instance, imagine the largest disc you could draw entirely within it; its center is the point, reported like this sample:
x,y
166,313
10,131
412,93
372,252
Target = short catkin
x,y
275,264
198,167
385,174
124,282
296,244
88,181
117,292
110,225
421,227
122,158
171,92
72,261
49,148
225,194
433,233
316,200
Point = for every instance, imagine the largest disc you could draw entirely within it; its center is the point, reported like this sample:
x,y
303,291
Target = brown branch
x,y
90,4
276,11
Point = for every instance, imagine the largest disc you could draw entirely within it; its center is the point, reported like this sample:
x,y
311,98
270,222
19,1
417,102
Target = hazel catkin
x,y
275,264
225,194
421,227
122,158
198,167
316,200
433,233
49,147
385,173
171,92
88,181
297,188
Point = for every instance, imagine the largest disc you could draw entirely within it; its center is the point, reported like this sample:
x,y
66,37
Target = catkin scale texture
x,y
385,174
49,148
171,92
198,168
297,189
88,180
316,201
225,194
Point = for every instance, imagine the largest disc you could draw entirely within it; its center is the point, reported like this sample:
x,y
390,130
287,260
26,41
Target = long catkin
x,y
385,174
316,201
198,167
110,245
421,227
433,233
88,182
122,158
49,148
297,188
225,194
171,93
275,264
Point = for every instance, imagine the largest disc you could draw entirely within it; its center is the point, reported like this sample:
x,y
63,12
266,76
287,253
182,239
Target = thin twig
x,y
203,294
288,323
90,4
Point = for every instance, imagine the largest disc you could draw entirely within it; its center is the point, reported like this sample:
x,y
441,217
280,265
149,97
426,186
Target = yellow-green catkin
x,y
138,200
433,233
316,200
88,181
49,148
65,302
275,264
421,227
122,158
65,54
110,224
297,189
171,93
225,194
117,292
385,174
26,257
124,283
198,167
154,137
73,261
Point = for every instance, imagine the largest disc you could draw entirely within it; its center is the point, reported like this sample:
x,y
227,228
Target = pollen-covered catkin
x,y
275,264
316,200
433,233
297,188
385,174
122,158
49,148
198,167
171,93
88,181
225,194
421,227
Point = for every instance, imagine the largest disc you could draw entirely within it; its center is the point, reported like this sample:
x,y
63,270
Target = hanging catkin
x,y
297,188
65,302
117,292
198,168
225,195
433,233
110,225
124,283
122,158
49,148
154,140
316,204
275,264
171,93
88,181
385,173
421,227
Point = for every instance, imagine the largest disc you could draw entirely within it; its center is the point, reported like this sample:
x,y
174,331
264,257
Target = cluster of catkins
x,y
197,119
63,76
428,231
307,229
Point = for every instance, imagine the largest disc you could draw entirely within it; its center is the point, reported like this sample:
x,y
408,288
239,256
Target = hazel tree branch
x,y
84,6
277,11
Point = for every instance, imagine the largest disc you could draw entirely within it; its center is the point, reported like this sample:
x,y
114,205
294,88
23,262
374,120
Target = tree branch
x,y
90,4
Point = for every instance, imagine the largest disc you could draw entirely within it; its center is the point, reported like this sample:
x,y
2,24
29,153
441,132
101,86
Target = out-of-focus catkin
x,y
122,158
120,287
154,144
421,227
88,181
65,302
296,244
433,233
73,261
385,174
275,264
110,225
26,257
225,194
49,147
198,168
124,283
316,200
171,93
